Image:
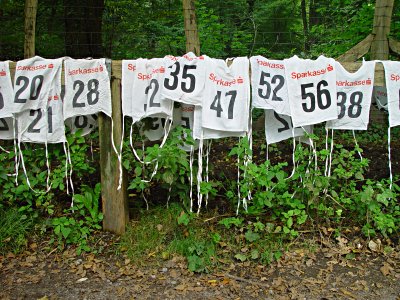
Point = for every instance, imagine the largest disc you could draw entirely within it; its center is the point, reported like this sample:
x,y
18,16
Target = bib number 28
x,y
322,98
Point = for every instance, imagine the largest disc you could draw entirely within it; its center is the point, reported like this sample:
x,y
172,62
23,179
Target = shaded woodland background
x,y
123,29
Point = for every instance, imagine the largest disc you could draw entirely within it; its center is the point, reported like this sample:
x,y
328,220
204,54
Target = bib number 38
x,y
312,98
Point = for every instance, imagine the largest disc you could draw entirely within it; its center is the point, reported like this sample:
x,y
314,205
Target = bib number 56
x,y
323,97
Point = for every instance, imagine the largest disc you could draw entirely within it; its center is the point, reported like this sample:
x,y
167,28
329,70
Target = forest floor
x,y
321,270
316,266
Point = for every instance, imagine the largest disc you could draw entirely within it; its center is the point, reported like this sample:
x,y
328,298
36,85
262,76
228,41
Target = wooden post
x,y
115,202
30,27
382,19
191,32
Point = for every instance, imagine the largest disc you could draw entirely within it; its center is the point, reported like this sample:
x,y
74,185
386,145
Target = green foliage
x,y
80,220
14,230
312,195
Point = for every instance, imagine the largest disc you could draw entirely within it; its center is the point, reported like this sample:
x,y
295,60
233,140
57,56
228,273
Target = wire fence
x,y
128,29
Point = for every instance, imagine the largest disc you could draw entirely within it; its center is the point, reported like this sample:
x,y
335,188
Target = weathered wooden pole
x,y
114,201
381,29
191,31
30,27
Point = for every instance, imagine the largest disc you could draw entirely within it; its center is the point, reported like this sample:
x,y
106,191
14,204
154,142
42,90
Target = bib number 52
x,y
323,97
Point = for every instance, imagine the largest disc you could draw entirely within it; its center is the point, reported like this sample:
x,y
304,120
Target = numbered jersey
x,y
392,76
354,92
141,89
6,99
44,125
279,127
200,132
6,90
227,95
380,97
269,86
312,90
33,80
7,128
184,78
87,88
86,124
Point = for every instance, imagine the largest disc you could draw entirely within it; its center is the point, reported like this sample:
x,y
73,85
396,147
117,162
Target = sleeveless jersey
x,y
312,90
392,76
269,88
6,99
184,78
87,87
380,97
200,132
141,89
279,127
354,92
32,83
226,102
84,123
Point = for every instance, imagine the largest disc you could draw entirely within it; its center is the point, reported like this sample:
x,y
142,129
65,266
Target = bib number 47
x,y
216,104
310,100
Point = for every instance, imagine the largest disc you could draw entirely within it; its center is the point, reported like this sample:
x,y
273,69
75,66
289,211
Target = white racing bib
x,y
200,132
226,100
269,85
312,90
32,83
7,128
354,92
44,126
392,76
380,97
184,78
87,88
84,123
279,127
142,80
6,99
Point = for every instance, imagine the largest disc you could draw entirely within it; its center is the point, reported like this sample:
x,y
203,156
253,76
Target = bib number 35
x,y
310,100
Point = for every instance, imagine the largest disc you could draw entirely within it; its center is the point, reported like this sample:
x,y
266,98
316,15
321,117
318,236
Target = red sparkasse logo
x,y
240,80
3,73
50,66
329,68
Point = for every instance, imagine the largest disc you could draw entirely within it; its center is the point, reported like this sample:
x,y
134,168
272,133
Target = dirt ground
x,y
324,269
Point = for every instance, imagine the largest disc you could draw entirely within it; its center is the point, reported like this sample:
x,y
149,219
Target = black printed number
x,y
92,96
216,104
188,83
3,125
277,80
37,113
154,87
285,124
1,101
354,109
322,94
35,88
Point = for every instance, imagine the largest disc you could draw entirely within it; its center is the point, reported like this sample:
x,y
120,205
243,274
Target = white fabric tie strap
x,y
390,161
355,141
191,177
199,173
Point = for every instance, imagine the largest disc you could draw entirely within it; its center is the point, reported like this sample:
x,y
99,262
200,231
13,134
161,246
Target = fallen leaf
x,y
386,269
180,287
82,279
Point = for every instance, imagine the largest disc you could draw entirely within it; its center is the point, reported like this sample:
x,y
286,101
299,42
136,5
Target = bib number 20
x,y
322,99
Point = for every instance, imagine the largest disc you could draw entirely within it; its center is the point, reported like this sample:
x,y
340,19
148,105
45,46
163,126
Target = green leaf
x,y
251,236
241,257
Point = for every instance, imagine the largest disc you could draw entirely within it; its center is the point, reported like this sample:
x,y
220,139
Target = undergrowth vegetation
x,y
250,219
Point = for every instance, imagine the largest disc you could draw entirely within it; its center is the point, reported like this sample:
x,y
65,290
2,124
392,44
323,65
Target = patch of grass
x,y
14,229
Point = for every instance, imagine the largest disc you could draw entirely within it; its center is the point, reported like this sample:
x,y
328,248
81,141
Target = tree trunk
x,y
83,32
382,19
305,24
30,27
